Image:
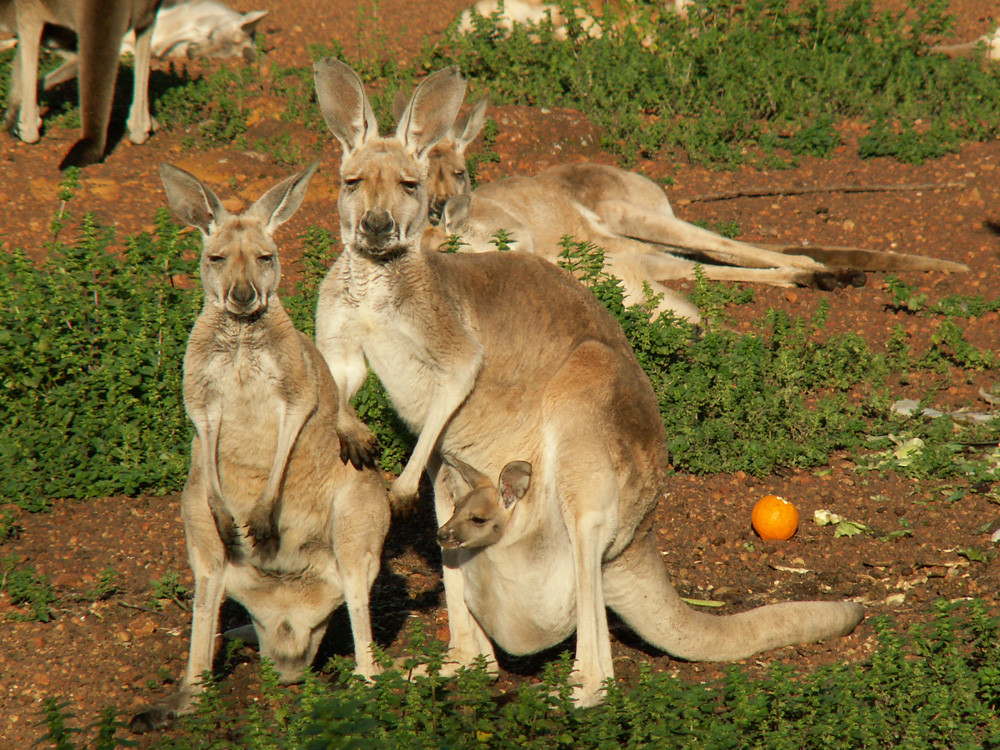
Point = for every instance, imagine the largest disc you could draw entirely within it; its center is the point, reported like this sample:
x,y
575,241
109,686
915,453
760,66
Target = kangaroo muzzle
x,y
243,299
378,236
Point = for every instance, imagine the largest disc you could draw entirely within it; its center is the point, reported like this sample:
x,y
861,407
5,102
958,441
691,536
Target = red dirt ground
x,y
96,654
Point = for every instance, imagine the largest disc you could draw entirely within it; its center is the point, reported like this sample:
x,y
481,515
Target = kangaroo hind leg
x,y
582,477
626,220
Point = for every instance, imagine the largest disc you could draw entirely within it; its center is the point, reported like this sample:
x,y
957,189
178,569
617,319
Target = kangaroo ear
x,y
281,202
514,482
399,102
194,203
473,476
432,110
344,105
470,125
456,213
250,20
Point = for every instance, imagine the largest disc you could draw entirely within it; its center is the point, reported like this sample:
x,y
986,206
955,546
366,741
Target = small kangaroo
x,y
481,516
274,517
493,355
100,26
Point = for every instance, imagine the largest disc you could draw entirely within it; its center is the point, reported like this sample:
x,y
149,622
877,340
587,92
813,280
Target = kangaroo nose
x,y
243,294
377,223
445,536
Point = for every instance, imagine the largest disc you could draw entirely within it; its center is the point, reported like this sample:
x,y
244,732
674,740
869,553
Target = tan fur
x,y
274,518
100,26
499,355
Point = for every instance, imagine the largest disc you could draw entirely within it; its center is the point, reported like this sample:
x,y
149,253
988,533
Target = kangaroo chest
x,y
245,381
396,349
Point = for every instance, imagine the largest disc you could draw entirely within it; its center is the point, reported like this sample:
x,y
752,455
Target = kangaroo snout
x,y
447,538
243,299
377,225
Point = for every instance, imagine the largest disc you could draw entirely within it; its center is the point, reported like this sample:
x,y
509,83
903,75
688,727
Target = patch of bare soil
x,y
116,651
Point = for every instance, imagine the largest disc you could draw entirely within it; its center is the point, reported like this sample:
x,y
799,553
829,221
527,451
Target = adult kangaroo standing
x,y
498,356
274,514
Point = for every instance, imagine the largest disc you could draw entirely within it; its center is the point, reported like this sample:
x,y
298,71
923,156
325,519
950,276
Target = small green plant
x,y
486,153
26,586
501,240
10,526
108,584
169,587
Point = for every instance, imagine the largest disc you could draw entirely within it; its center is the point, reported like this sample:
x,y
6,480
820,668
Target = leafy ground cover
x,y
789,391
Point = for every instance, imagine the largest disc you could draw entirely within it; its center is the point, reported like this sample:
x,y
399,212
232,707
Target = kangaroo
x,y
449,173
192,29
631,218
100,26
493,355
273,516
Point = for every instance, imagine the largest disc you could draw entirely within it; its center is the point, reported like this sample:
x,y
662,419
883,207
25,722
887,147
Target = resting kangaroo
x,y
631,218
100,26
498,355
274,518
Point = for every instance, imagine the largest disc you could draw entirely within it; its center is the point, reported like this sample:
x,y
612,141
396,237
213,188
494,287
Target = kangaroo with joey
x,y
493,355
276,515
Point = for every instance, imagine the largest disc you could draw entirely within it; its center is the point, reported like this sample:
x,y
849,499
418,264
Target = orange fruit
x,y
774,518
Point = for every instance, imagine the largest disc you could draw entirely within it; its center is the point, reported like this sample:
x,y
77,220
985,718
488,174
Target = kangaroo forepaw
x,y
225,524
357,444
402,500
263,532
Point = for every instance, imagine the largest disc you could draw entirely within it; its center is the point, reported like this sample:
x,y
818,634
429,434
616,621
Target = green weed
x,y
168,588
658,82
24,585
934,685
108,584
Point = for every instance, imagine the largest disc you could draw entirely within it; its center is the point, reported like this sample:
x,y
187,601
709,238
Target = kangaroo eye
x,y
351,182
460,174
266,259
478,521
216,259
410,185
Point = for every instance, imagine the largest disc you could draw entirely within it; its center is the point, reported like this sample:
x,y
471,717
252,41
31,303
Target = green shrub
x,y
91,345
659,82
936,685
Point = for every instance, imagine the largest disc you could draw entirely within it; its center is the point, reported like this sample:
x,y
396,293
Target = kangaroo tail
x,y
637,588
869,260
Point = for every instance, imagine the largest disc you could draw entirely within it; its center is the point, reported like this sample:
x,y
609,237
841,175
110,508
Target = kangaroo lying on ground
x,y
630,217
273,517
193,29
494,355
100,26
